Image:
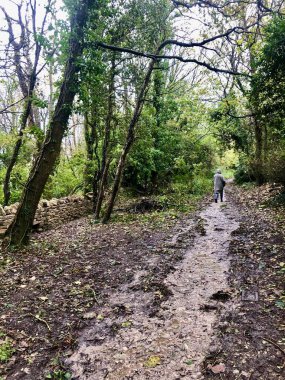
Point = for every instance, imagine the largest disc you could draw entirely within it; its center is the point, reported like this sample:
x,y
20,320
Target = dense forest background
x,y
144,96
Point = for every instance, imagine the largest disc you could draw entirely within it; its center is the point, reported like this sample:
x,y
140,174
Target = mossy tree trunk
x,y
259,164
108,126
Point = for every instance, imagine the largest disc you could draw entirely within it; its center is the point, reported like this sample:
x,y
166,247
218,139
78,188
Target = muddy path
x,y
249,335
124,340
160,296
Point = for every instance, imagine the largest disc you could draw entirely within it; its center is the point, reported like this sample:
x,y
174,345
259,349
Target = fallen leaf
x,y
89,315
23,344
127,324
219,368
43,298
152,361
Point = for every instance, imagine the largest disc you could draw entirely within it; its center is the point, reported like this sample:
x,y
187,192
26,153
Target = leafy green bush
x,y
275,166
67,177
244,171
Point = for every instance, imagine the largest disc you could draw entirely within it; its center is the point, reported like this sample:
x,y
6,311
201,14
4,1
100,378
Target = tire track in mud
x,y
124,342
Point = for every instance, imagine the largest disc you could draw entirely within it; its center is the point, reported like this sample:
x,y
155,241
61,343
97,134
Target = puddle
x,y
172,344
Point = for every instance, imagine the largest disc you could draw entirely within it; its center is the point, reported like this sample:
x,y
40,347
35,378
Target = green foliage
x,y
67,177
274,168
6,143
268,97
268,84
59,375
35,131
228,162
243,173
21,169
172,140
280,304
197,182
174,147
39,103
6,348
152,160
232,132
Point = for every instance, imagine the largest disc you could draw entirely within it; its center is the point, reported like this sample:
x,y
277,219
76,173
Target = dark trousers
x,y
219,192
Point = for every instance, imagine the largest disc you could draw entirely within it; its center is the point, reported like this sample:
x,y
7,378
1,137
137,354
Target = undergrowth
x,y
6,348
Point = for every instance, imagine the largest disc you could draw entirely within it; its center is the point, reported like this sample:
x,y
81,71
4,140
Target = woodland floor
x,y
163,296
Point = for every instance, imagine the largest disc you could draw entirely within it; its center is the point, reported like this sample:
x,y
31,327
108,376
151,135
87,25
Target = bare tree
x,y
27,77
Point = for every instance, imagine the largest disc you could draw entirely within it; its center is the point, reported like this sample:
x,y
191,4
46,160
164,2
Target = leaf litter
x,y
50,290
140,292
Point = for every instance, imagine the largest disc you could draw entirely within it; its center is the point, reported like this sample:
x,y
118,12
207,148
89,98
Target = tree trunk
x,y
18,231
258,152
157,105
129,141
265,145
90,139
17,147
103,183
105,151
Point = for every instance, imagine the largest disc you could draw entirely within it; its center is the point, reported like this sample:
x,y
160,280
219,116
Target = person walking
x,y
219,184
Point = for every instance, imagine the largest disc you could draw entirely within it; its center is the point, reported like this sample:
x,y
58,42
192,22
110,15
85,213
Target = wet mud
x,y
128,338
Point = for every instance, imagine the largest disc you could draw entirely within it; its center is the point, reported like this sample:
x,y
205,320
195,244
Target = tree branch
x,y
11,105
236,29
158,57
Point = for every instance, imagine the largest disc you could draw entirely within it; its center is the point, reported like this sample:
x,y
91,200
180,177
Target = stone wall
x,y
50,214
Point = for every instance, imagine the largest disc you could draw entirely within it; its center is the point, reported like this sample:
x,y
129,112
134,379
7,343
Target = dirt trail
x,y
125,342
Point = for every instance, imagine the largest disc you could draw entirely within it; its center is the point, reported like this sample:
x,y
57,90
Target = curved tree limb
x,y
177,57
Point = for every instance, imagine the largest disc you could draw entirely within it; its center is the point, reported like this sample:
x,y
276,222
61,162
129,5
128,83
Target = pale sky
x,y
11,8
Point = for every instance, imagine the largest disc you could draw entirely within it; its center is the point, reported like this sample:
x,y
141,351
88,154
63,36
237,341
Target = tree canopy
x,y
143,96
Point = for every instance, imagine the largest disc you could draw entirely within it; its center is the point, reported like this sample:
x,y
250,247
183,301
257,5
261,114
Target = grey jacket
x,y
219,182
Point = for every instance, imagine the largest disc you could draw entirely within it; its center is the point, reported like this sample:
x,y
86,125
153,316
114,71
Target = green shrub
x,y
244,171
275,166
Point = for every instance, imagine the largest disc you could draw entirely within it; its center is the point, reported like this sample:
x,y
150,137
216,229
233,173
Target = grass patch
x,y
173,205
6,348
